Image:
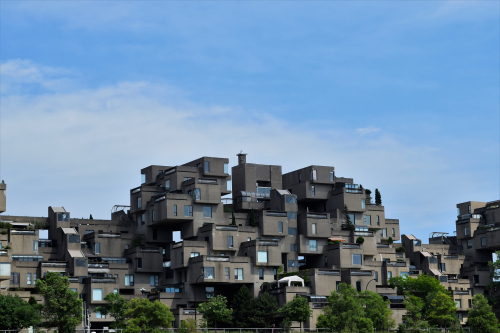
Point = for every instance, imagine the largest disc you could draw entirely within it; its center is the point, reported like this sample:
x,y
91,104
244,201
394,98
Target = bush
x,y
360,240
187,326
7,247
333,242
401,249
3,232
40,225
390,241
5,225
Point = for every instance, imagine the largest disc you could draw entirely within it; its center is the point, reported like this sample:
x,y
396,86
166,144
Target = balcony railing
x,y
268,243
382,246
103,265
363,233
74,280
280,214
149,250
450,257
396,264
460,292
54,264
176,245
4,253
212,258
361,273
108,235
321,272
226,228
103,280
351,246
317,216
23,232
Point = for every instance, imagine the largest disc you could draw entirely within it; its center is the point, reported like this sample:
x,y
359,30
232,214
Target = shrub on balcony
x,y
7,247
3,232
401,249
390,241
360,240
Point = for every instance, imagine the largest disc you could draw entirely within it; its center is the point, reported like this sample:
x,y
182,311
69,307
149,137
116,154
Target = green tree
x,y
252,218
481,317
115,307
233,219
265,310
62,308
378,311
494,285
347,219
297,310
415,321
345,312
368,196
378,197
215,311
442,311
149,317
188,326
16,313
390,241
91,218
243,307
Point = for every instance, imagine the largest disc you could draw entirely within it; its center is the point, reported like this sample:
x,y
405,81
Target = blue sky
x,y
402,96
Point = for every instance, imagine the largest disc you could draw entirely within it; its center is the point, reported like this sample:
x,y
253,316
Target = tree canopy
x,y
16,313
145,316
265,310
481,317
297,310
115,307
215,311
243,307
377,310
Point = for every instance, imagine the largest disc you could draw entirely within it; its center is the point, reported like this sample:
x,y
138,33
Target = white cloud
x,y
367,130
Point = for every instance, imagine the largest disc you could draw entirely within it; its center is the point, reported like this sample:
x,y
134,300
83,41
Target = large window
x,y
62,217
363,204
97,294
312,245
293,263
129,280
313,228
356,259
153,280
290,199
331,176
238,273
195,254
262,256
97,248
5,268
291,215
208,273
188,210
207,212
280,227
230,241
293,247
367,219
197,194
292,231
28,279
352,217
167,184
261,274
138,263
458,303
383,232
210,292
226,273
226,168
207,166
15,278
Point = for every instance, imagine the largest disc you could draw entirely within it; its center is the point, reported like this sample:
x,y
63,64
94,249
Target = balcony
x,y
22,232
108,235
213,258
396,264
54,264
351,246
98,265
101,280
149,250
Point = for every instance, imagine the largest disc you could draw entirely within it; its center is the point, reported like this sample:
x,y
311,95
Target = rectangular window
x,y
262,256
143,178
403,274
230,241
466,231
363,204
138,263
143,219
35,245
483,241
470,303
469,243
293,247
197,194
115,291
155,234
28,279
261,274
195,254
376,276
291,215
393,232
80,262
97,248
356,259
313,174
289,199
139,203
469,209
358,286
62,217
367,220
238,273
15,278
383,232
313,245
208,272
226,168
313,228
313,191
153,215
226,273
326,261
337,284
352,217
188,210
129,279
0,245
292,231
210,292
293,263
443,267
97,294
167,185
300,177
331,176
207,212
34,278
280,227
207,166
458,303
98,315
389,275
378,220
175,210
153,280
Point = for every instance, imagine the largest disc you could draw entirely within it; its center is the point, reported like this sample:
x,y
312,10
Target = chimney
x,y
242,158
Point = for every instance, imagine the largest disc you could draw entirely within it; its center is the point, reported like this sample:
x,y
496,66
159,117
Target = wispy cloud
x,y
367,130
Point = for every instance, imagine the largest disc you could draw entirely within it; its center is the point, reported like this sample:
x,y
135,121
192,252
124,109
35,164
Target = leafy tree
x,y
420,287
345,312
347,220
390,241
378,311
16,313
215,311
297,310
188,326
378,197
368,195
360,240
252,218
243,307
233,219
62,308
494,285
481,317
443,311
91,218
149,317
265,310
115,307
279,272
414,314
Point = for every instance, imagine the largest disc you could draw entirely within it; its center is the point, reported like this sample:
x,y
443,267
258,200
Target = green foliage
x,y
115,307
378,197
252,218
215,311
414,315
377,310
333,242
233,219
137,240
188,326
390,241
347,220
360,240
442,311
3,232
243,307
297,309
16,313
401,249
7,247
91,218
481,317
494,285
279,272
62,308
5,225
265,310
148,317
286,325
40,225
228,210
368,195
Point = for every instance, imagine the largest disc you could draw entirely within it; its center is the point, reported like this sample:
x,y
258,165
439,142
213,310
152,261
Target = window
x,y
352,217
313,174
261,274
207,166
337,284
460,316
115,291
292,231
262,256
293,247
475,279
280,227
0,245
155,234
483,241
383,232
378,220
300,177
98,315
313,191
293,263
208,273
129,279
291,215
230,241
358,286
331,176
313,228
228,185
62,217
363,204
153,215
195,254
238,273
35,245
143,178
207,212
469,243
443,267
470,303
143,219
367,220
138,263
226,273
226,168
97,248
139,203
188,210
197,194
389,275
356,259
376,276
153,280
80,262
175,210
326,261
467,231
28,279
469,209
210,292
97,294
14,277
249,239
167,184
312,245
403,274
289,199
34,277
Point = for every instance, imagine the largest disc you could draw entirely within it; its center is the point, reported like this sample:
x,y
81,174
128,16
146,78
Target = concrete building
x,y
295,220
